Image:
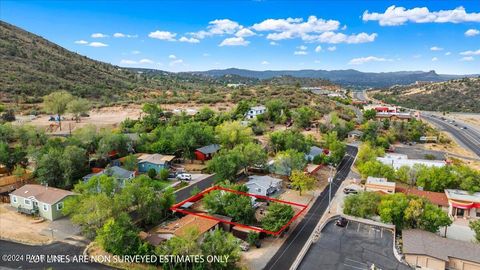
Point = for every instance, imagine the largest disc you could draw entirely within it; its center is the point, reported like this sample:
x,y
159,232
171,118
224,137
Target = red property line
x,y
195,198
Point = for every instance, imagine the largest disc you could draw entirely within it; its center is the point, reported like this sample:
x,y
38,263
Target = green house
x,y
46,202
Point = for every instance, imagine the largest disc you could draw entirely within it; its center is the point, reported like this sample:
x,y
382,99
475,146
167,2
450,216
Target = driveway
x,y
354,247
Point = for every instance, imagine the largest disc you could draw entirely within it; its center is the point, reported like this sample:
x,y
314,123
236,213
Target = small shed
x,y
206,152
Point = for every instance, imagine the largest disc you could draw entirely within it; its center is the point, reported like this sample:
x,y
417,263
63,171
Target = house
x,y
154,161
462,204
437,198
47,202
206,152
315,151
254,111
379,184
380,108
399,160
405,117
118,173
180,227
427,250
263,185
355,135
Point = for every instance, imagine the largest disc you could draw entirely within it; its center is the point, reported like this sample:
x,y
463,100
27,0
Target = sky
x,y
367,35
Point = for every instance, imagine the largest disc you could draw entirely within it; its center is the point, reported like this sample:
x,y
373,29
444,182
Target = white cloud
x,y
317,61
416,56
265,62
176,62
295,27
244,32
335,38
206,54
97,44
135,52
434,59
467,58
163,35
332,48
189,40
477,52
300,53
218,27
122,35
302,47
234,41
82,42
128,62
363,60
399,15
472,32
448,53
145,61
318,49
98,35
435,48
273,43
172,56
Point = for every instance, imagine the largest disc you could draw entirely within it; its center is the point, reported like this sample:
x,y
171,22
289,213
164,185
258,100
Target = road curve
x,y
466,137
288,252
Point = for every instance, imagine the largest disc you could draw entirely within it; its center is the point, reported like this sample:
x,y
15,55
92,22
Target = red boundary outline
x,y
176,208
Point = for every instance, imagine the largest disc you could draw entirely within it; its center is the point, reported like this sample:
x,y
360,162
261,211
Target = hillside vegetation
x,y
462,95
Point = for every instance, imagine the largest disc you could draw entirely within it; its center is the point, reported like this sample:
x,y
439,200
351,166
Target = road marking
x,y
354,267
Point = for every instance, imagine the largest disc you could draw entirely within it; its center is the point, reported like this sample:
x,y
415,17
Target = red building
x,y
206,152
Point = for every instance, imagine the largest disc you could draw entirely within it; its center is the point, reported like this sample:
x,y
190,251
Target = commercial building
x,y
427,250
379,184
399,160
462,204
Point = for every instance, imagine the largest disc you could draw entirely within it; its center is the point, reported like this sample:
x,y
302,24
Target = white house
x,y
255,110
263,185
379,184
399,160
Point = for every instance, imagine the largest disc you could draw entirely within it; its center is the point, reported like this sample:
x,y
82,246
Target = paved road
x,y
360,95
357,246
186,193
467,137
10,248
297,238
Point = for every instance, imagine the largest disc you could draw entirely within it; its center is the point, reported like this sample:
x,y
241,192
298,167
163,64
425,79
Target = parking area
x,y
355,246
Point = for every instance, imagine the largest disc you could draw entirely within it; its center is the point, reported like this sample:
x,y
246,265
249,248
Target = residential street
x,y
287,253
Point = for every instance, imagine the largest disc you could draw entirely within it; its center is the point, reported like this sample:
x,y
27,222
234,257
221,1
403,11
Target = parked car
x,y
350,191
172,174
341,222
464,127
184,176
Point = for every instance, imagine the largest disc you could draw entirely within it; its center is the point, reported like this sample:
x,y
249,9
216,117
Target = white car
x,y
184,176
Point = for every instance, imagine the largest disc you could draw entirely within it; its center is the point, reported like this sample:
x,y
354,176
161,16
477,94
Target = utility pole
x,y
330,180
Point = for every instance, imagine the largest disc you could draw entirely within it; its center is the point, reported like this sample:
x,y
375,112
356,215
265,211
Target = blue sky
x,y
200,35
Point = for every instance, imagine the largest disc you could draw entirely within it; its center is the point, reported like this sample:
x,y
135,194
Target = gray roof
x,y
264,181
315,151
209,149
427,243
114,171
41,193
356,132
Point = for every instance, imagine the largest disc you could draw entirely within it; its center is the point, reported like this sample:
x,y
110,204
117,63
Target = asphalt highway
x,y
288,252
467,137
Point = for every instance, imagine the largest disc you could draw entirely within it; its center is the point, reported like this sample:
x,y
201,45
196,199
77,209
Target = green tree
x,y
289,139
226,164
56,103
367,152
74,164
152,116
130,162
302,181
376,169
185,245
238,207
221,243
78,107
303,116
50,169
119,236
233,133
392,209
433,218
475,226
275,110
152,173
163,174
369,114
363,204
287,161
278,214
113,142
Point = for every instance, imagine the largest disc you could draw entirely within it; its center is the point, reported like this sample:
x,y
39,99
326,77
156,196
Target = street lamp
x,y
330,180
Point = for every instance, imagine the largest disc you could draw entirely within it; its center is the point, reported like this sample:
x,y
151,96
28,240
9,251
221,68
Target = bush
x,y
362,205
163,174
152,173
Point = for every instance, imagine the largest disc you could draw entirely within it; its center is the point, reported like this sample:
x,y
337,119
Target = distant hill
x,y
460,95
32,66
349,77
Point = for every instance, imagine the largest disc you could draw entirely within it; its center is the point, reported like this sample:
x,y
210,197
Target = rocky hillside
x,y
461,95
33,66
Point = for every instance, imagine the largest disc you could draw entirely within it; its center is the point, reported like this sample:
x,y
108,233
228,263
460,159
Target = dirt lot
x,y
21,228
112,116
